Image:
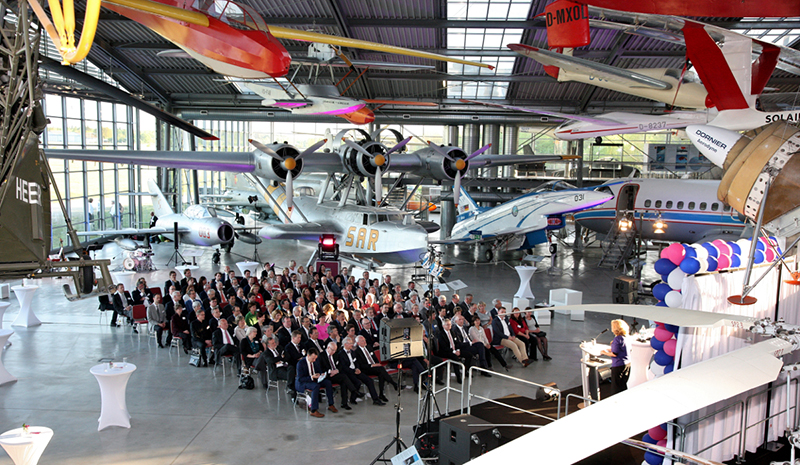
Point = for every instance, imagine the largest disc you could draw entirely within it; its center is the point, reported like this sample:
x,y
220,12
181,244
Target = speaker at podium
x,y
401,338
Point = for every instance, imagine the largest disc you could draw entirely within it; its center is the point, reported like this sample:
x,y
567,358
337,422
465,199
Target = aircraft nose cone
x,y
225,232
713,142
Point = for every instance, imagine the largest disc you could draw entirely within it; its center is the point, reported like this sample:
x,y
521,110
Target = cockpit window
x,y
234,14
553,186
200,211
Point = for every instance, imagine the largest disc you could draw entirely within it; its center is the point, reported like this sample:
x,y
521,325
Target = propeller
x,y
379,160
289,163
460,165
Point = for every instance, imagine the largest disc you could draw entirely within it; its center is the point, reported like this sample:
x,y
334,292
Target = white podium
x,y
563,296
113,383
248,266
26,316
128,278
593,368
26,449
5,376
525,273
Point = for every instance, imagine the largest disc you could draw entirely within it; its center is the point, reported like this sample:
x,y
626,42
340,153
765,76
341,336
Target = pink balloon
x,y
723,247
669,347
660,325
658,433
675,253
665,253
723,262
769,254
662,443
663,335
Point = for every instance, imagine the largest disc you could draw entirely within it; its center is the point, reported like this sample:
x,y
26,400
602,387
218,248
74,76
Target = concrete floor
x,y
184,415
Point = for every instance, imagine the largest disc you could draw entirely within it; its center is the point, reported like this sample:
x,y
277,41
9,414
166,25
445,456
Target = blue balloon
x,y
660,290
656,344
760,246
653,459
736,261
671,328
690,265
712,264
661,303
664,266
646,438
668,369
661,358
735,249
663,426
712,250
759,257
665,277
690,252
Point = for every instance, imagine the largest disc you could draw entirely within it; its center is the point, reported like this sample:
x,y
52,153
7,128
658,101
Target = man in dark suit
x,y
284,333
187,274
308,374
411,290
172,281
201,335
330,363
503,335
274,363
223,343
179,326
123,305
142,295
370,366
455,302
348,363
293,351
467,346
368,334
449,348
313,340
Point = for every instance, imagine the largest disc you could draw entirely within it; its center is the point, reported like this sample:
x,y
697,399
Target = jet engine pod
x,y
358,162
276,168
761,156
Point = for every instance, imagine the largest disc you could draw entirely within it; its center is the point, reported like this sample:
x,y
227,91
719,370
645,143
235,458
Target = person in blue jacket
x,y
620,369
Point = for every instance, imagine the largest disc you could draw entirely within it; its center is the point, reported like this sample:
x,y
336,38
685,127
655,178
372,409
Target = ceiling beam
x,y
132,69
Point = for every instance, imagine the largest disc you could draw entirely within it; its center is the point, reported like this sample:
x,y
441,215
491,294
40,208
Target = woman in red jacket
x,y
520,329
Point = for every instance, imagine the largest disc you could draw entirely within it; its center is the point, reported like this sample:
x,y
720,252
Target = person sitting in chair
x,y
309,372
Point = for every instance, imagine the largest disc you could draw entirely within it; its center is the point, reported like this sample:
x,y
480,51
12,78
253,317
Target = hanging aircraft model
x,y
197,225
681,392
523,222
228,37
689,208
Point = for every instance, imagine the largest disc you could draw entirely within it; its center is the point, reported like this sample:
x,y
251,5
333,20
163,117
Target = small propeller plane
x,y
197,225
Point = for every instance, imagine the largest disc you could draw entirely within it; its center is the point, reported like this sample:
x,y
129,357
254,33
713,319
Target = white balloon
x,y
703,266
702,252
675,279
657,369
673,299
744,244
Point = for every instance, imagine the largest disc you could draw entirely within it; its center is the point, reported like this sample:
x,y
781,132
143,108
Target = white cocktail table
x,y
248,265
5,376
113,383
3,307
128,278
26,449
26,316
525,273
639,358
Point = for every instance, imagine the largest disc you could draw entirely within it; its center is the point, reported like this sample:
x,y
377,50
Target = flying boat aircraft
x,y
196,225
523,222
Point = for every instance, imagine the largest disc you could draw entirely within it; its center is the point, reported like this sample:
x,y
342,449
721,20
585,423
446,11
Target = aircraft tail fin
x,y
466,206
567,24
527,149
160,205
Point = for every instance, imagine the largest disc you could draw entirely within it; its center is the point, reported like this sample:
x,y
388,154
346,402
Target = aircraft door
x,y
626,199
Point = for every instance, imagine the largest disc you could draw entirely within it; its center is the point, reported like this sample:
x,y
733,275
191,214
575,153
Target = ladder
x,y
617,248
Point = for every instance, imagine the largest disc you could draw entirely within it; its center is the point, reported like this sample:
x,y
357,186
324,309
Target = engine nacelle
x,y
361,164
277,170
438,167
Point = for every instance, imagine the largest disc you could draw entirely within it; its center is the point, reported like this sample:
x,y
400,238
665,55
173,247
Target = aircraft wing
x,y
118,94
299,231
673,316
678,393
555,114
131,231
238,162
582,66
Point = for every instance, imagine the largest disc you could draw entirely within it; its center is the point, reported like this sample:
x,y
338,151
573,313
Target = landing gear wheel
x,y
216,257
488,255
227,247
87,281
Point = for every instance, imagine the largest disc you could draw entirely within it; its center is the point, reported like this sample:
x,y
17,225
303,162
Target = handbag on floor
x,y
194,359
245,380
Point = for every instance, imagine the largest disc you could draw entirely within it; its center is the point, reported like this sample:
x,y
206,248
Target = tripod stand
x,y
429,404
396,440
177,252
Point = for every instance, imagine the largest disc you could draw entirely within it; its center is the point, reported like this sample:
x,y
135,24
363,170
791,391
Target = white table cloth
x,y
128,278
26,316
248,265
5,376
26,449
113,383
639,358
3,307
181,269
525,273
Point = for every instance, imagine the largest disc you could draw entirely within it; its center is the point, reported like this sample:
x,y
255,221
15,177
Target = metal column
x,y
578,244
470,142
491,135
510,143
451,138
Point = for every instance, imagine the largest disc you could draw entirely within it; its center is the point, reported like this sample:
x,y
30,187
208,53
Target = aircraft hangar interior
x,y
429,231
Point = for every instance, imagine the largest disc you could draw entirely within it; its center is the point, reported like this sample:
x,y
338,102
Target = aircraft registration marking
x,y
359,238
204,232
653,126
579,197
